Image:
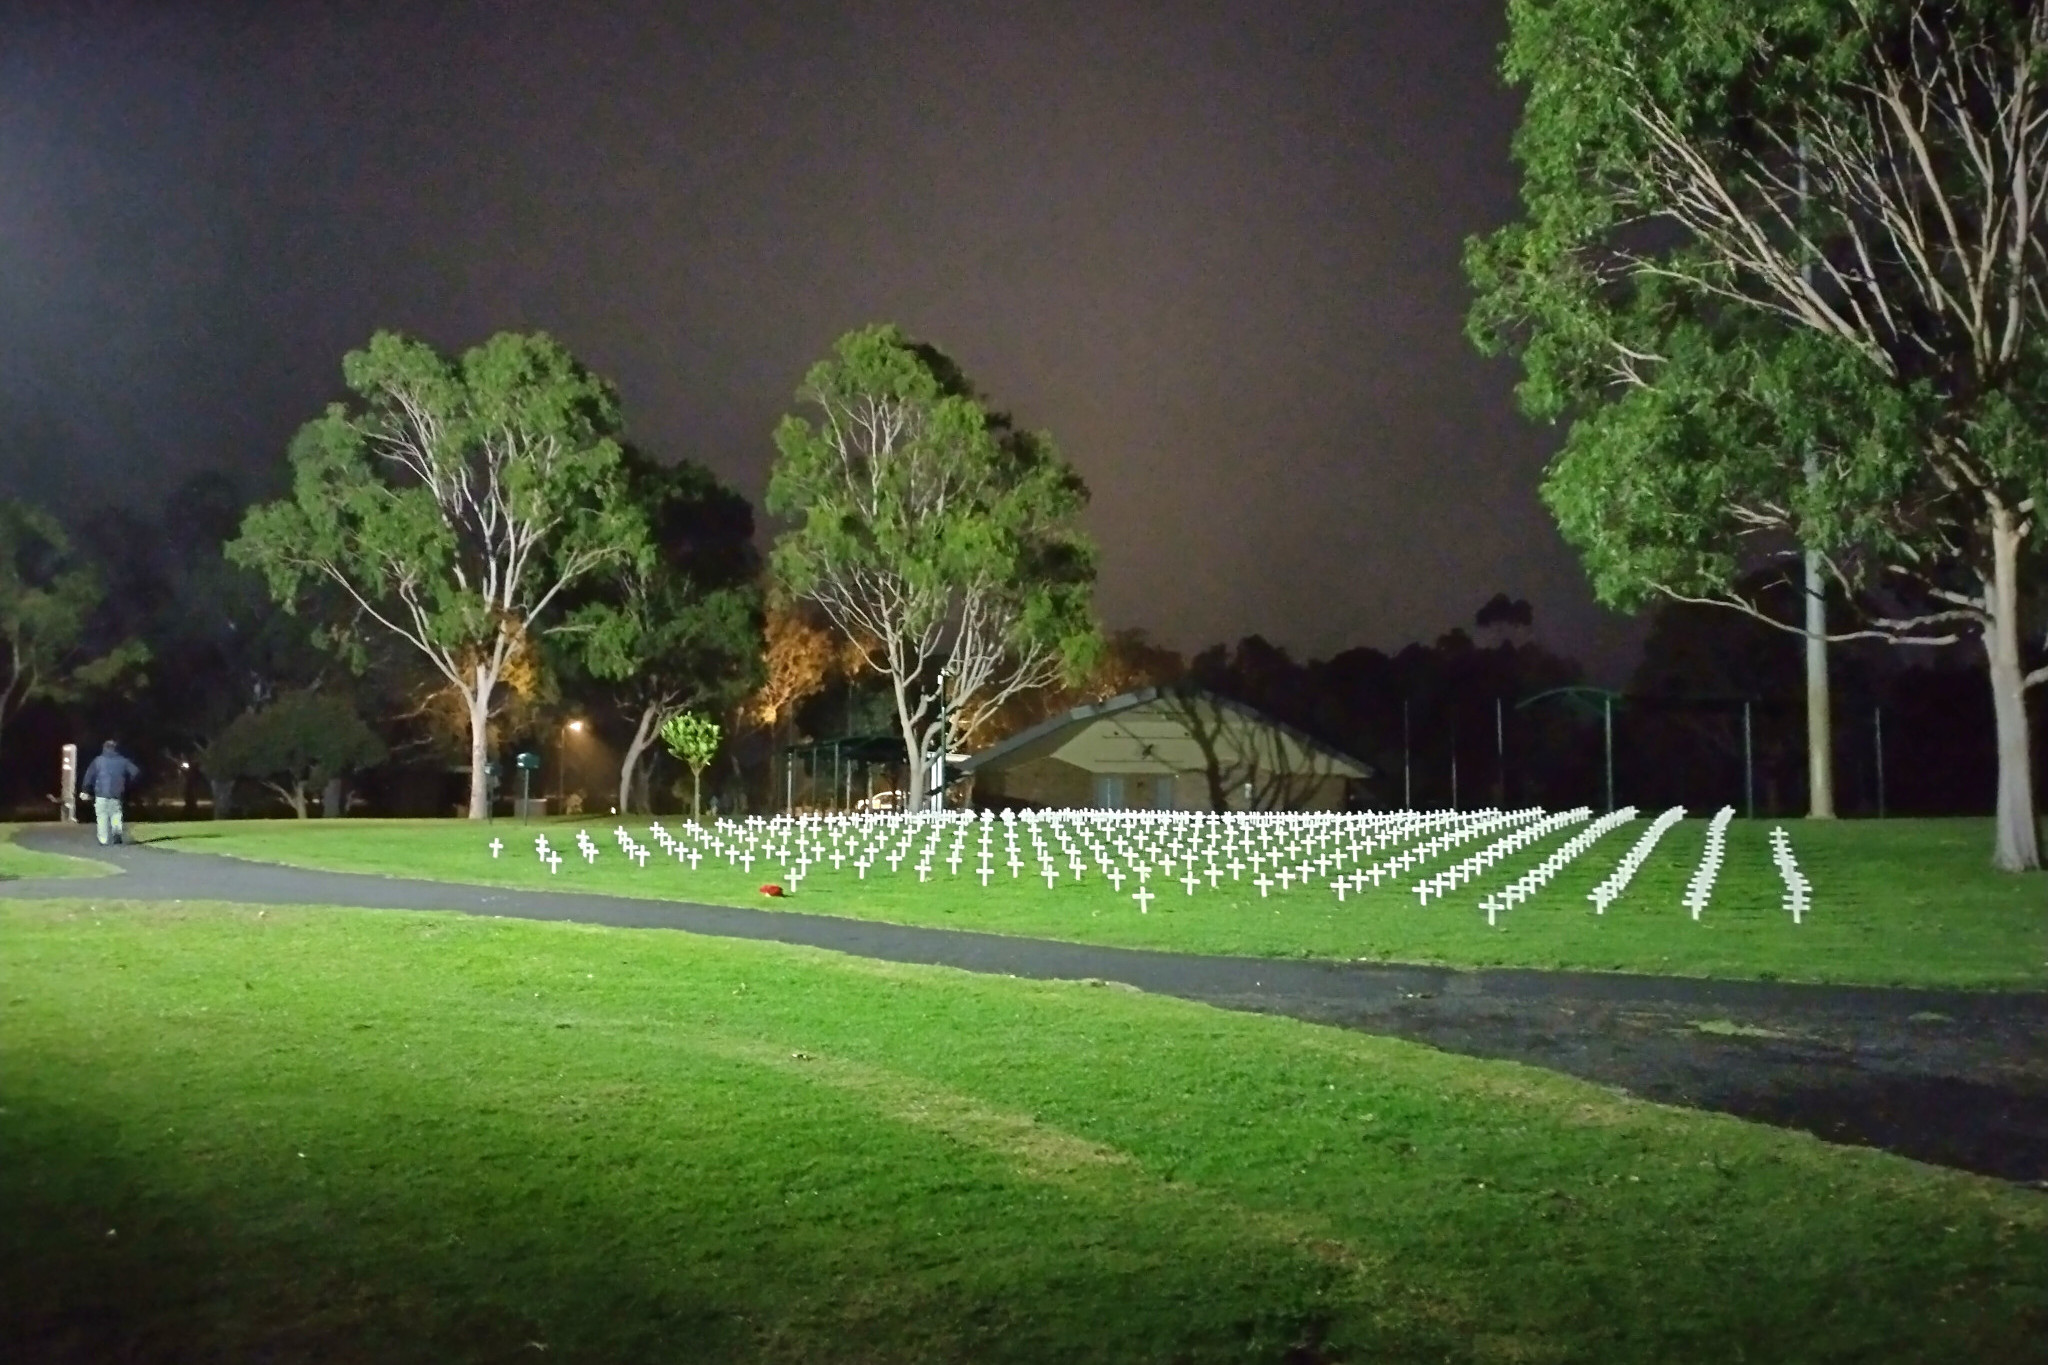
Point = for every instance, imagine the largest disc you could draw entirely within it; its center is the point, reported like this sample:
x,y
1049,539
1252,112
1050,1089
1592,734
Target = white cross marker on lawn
x,y
1285,877
554,863
1050,873
1191,881
640,853
1339,886
1116,878
986,873
497,846
1264,883
1144,900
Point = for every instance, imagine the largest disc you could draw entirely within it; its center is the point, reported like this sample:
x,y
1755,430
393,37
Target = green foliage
x,y
1692,387
938,536
454,503
298,741
681,626
456,497
692,738
48,597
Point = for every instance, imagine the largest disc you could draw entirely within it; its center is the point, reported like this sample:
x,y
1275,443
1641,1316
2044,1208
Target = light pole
x,y
562,756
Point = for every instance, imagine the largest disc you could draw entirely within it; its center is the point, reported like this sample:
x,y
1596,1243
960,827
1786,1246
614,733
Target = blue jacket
x,y
109,775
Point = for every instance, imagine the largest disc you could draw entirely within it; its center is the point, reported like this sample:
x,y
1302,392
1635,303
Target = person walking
x,y
106,782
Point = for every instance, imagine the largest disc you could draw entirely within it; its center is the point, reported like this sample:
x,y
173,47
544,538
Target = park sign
x,y
528,760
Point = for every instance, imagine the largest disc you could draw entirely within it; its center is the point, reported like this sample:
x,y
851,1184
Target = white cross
x,y
1285,878
1339,886
554,861
1050,873
1144,899
1116,878
1235,868
985,874
589,854
497,846
1191,881
1264,883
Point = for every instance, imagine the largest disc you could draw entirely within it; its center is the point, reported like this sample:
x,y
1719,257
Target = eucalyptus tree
x,y
939,538
454,502
1780,267
49,594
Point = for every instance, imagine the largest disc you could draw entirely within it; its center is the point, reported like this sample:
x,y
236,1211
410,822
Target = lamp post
x,y
562,755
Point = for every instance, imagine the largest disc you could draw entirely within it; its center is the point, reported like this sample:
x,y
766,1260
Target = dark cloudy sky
x,y
1213,247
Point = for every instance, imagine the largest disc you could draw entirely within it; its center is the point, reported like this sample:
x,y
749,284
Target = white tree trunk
x,y
916,788
2018,834
480,744
643,738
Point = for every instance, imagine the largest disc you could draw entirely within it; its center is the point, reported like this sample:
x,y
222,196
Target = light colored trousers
x,y
107,810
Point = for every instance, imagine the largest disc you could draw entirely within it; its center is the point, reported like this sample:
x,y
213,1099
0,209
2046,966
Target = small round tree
x,y
693,739
298,741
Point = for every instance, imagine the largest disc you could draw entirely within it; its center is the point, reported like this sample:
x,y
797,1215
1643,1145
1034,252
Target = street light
x,y
561,755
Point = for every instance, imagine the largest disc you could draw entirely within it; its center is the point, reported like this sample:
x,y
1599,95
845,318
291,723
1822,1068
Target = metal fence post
x,y
1748,767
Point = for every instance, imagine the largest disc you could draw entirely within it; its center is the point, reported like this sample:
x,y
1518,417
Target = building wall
x,y
1041,781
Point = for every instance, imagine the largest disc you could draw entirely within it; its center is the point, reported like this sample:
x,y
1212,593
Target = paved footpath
x,y
1955,1077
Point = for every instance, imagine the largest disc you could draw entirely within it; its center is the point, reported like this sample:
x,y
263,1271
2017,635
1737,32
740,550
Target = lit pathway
x,y
1947,1076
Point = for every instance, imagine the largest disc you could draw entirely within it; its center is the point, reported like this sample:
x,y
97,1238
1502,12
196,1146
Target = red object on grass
x,y
772,889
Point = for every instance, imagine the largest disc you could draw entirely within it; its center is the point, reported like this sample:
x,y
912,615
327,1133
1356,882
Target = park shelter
x,y
1164,748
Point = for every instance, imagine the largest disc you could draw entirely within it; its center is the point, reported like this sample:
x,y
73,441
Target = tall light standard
x,y
562,755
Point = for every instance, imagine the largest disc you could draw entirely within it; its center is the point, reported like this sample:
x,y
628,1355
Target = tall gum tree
x,y
1781,268
454,502
943,541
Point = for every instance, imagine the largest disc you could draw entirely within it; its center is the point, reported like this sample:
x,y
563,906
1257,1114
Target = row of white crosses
x,y
1277,850
1614,883
1525,827
1700,889
1798,890
1537,877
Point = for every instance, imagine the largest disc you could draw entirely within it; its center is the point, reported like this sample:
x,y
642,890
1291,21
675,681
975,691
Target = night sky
x,y
1214,248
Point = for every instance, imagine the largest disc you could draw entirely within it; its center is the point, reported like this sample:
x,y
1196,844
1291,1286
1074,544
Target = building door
x,y
1109,792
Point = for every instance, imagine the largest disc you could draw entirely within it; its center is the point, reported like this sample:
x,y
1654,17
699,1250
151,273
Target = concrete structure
x,y
1164,749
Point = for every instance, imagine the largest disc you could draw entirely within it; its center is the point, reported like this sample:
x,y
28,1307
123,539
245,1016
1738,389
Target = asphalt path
x,y
1954,1077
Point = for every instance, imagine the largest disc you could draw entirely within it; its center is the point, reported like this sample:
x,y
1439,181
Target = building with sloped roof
x,y
1165,748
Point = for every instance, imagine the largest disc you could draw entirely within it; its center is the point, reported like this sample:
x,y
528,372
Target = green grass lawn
x,y
1901,902
16,861
317,1135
